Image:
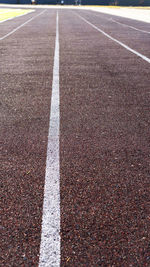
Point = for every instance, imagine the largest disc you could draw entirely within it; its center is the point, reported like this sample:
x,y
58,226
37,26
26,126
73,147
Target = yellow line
x,y
6,14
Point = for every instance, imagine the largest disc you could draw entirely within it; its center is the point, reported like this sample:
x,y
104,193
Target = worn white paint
x,y
128,26
115,40
20,26
140,14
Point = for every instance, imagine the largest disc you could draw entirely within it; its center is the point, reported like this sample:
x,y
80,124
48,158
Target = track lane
x,y
104,153
26,79
9,25
115,40
17,13
139,41
132,22
20,26
129,26
104,149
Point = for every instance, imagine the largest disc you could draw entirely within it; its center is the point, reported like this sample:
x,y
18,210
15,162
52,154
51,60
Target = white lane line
x,y
123,24
16,29
129,26
115,40
17,16
50,236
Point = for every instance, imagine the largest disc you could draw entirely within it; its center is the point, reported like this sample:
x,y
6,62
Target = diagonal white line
x,y
115,40
16,16
50,236
16,29
125,25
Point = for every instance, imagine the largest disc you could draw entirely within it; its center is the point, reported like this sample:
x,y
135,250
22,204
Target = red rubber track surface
x,y
104,139
104,143
26,78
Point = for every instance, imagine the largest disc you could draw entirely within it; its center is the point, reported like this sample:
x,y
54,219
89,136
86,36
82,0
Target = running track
x,y
97,142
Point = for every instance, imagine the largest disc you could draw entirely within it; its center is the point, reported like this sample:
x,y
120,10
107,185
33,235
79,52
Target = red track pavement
x,y
104,138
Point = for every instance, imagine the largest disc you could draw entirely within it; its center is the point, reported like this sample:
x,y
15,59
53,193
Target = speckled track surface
x,y
104,143
104,139
26,77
